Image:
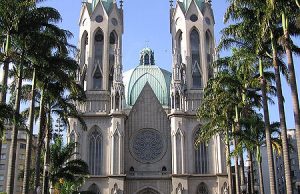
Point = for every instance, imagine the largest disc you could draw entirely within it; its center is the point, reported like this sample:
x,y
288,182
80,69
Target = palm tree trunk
x,y
285,150
293,81
4,79
40,142
45,189
236,169
29,137
228,163
267,128
251,173
14,137
261,178
242,166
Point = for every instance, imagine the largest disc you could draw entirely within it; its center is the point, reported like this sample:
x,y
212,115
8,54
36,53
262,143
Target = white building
x,y
142,124
279,167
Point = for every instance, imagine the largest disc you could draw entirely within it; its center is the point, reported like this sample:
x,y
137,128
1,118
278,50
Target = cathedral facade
x,y
142,124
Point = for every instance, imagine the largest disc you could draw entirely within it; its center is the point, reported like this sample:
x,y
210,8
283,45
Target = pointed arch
x,y
179,150
97,78
94,189
209,52
113,45
148,191
195,53
95,151
84,48
98,46
201,155
178,38
224,188
202,189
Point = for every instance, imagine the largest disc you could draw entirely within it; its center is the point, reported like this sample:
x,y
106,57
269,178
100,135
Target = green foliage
x,y
66,172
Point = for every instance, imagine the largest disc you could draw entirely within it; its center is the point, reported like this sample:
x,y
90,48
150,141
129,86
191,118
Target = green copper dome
x,y
159,80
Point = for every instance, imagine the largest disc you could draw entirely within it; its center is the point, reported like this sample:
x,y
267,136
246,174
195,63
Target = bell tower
x,y
192,28
101,29
100,73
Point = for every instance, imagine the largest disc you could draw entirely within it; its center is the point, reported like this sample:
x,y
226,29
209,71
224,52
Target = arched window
x,y
97,79
146,59
225,188
95,152
201,156
94,189
99,43
209,53
178,45
195,59
202,189
113,39
117,101
84,48
177,100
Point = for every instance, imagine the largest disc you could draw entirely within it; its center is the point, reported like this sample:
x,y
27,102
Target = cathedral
x,y
142,123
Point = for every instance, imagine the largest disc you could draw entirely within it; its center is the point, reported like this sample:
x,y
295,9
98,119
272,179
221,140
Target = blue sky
x,y
146,23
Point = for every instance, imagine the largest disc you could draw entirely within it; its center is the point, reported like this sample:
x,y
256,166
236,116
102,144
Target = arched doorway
x,y
148,191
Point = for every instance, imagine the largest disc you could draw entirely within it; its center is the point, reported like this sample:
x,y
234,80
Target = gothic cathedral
x,y
141,124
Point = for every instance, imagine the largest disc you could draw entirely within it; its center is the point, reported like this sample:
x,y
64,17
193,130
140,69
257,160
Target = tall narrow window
x,y
209,53
146,59
179,43
117,101
97,79
95,152
99,43
113,38
195,59
84,48
201,156
179,152
177,101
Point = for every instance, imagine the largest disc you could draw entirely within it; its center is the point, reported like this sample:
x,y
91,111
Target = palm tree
x,y
49,40
233,89
289,13
27,22
62,166
252,137
256,13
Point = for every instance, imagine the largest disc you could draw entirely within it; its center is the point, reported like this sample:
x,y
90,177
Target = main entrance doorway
x,y
148,191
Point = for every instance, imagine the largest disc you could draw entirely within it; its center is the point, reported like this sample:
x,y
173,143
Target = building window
x,y
1,178
1,188
4,146
2,167
95,152
209,52
3,156
195,57
201,156
22,146
97,79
